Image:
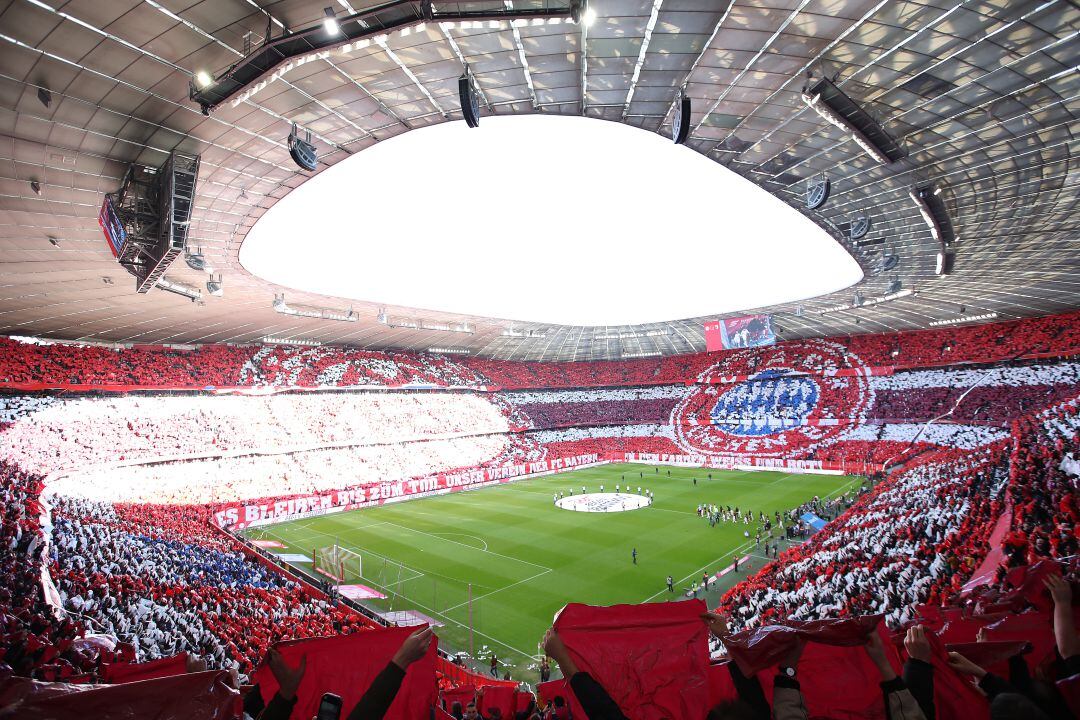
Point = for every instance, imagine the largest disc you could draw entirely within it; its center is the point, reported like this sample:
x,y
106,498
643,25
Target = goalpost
x,y
338,563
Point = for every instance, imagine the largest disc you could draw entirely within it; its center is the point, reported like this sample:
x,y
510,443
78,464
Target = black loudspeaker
x,y
302,151
470,102
680,124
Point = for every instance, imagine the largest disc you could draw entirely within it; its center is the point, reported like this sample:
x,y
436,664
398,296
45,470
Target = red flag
x,y
955,698
522,701
990,656
837,677
346,665
652,659
837,682
552,689
1036,628
133,672
178,697
764,647
494,696
463,694
721,686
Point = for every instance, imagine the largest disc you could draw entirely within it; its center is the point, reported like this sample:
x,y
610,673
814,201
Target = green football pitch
x,y
494,565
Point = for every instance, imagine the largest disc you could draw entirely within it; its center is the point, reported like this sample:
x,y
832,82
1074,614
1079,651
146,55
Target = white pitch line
x,y
482,540
519,582
737,551
491,552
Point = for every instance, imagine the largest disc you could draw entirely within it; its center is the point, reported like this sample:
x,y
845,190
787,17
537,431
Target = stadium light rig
x,y
449,351
330,22
627,335
964,319
511,332
317,313
269,340
866,302
936,216
332,33
651,353
463,328
834,106
178,288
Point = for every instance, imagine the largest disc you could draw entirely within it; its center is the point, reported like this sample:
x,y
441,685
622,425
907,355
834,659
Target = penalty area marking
x,y
603,502
463,535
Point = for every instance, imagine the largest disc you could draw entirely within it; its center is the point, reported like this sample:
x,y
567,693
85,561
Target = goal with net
x,y
339,563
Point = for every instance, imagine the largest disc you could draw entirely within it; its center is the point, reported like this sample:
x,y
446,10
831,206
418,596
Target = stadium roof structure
x,y
977,101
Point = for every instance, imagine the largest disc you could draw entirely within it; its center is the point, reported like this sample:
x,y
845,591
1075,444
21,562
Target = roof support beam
x,y
649,26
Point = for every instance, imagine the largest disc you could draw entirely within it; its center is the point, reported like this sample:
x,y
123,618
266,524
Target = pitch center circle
x,y
603,502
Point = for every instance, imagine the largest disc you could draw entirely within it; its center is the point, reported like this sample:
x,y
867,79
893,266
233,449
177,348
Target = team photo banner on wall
x,y
741,332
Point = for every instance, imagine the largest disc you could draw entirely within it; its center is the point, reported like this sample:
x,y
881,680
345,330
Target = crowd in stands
x,y
915,538
283,474
47,433
134,556
232,366
544,410
1043,485
977,397
166,589
33,642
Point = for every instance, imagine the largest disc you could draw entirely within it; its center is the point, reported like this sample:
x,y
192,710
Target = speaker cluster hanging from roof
x,y
680,123
470,98
303,152
860,225
817,191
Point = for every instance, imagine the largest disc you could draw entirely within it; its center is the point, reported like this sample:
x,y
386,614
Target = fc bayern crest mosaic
x,y
780,401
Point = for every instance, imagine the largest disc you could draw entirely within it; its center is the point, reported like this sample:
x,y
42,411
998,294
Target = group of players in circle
x,y
618,488
647,493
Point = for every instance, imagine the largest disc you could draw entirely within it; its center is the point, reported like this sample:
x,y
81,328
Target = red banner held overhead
x,y
652,659
346,665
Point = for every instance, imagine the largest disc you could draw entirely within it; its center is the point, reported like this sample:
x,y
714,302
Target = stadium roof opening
x,y
549,219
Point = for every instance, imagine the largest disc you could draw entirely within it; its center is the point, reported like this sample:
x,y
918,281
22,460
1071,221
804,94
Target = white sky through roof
x,y
547,219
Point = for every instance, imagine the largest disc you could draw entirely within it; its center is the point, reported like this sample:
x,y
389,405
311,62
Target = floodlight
x,y
214,286
203,79
330,22
178,288
943,264
935,214
832,104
